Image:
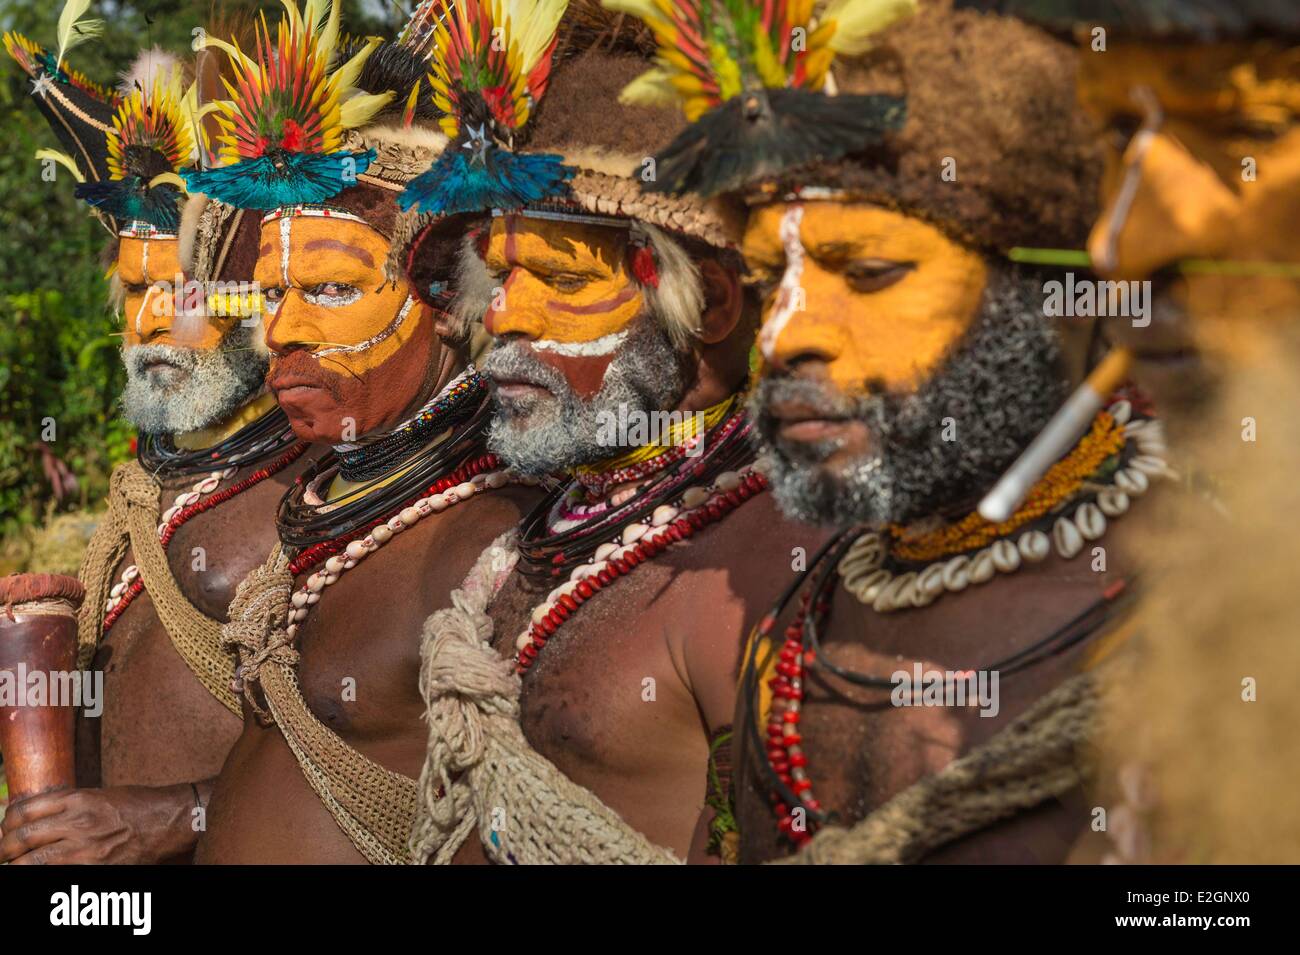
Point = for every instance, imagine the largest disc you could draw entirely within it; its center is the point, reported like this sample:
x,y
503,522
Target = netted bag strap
x,y
107,546
480,771
195,635
373,806
1040,756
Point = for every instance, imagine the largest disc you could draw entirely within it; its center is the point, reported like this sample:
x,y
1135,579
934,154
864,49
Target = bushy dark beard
x,y
999,386
206,387
549,433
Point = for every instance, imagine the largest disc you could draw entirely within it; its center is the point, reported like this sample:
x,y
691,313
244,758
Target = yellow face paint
x,y
148,269
877,296
351,351
563,282
1215,175
323,281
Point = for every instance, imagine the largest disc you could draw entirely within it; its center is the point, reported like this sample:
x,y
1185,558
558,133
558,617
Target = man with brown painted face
x,y
378,531
621,332
188,520
922,680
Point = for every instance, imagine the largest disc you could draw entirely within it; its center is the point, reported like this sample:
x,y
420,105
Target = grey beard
x,y
206,387
544,434
1000,386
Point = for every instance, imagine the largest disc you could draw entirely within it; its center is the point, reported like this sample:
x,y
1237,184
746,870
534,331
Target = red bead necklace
x,y
565,600
784,742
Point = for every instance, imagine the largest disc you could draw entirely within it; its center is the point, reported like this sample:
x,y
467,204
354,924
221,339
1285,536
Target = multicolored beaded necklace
x,y
694,493
450,407
679,441
799,813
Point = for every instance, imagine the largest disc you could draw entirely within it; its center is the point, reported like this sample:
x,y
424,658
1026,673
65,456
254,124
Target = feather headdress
x,y
491,62
79,111
125,147
282,128
151,141
752,77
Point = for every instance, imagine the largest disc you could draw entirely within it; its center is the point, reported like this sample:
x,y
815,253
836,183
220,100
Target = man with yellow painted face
x,y
188,520
621,335
1195,104
380,529
906,365
1197,108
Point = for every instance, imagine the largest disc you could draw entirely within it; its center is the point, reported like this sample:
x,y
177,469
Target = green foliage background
x,y
59,342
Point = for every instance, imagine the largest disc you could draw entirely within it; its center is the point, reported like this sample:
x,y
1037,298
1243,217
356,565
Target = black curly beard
x,y
1000,386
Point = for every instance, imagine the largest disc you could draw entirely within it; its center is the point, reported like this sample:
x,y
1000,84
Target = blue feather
x,y
490,178
131,199
280,179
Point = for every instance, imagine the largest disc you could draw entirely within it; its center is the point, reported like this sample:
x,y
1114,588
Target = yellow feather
x,y
858,20
171,177
674,57
71,33
816,66
408,114
770,70
63,159
356,111
330,35
652,88
294,17
532,26
236,55
641,9
346,75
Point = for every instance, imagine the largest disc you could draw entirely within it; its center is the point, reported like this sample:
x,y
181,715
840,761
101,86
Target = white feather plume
x,y
148,65
71,32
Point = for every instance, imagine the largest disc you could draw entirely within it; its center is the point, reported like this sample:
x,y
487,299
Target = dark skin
x,y
863,751
367,628
678,619
160,729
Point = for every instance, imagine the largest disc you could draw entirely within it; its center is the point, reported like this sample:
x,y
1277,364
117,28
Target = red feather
x,y
644,266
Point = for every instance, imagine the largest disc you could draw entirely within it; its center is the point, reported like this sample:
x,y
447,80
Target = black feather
x,y
390,67
762,134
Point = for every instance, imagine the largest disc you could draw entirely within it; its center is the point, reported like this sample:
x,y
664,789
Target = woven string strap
x,y
374,806
195,635
133,515
480,771
107,546
1040,756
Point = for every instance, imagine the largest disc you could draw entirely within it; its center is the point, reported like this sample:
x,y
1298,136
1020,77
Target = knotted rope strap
x,y
374,806
133,514
1038,757
480,768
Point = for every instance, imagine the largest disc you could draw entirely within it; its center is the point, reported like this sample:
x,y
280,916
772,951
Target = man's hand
x,y
128,825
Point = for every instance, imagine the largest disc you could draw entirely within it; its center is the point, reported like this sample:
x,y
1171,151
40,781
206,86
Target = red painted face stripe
x,y
596,308
585,374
